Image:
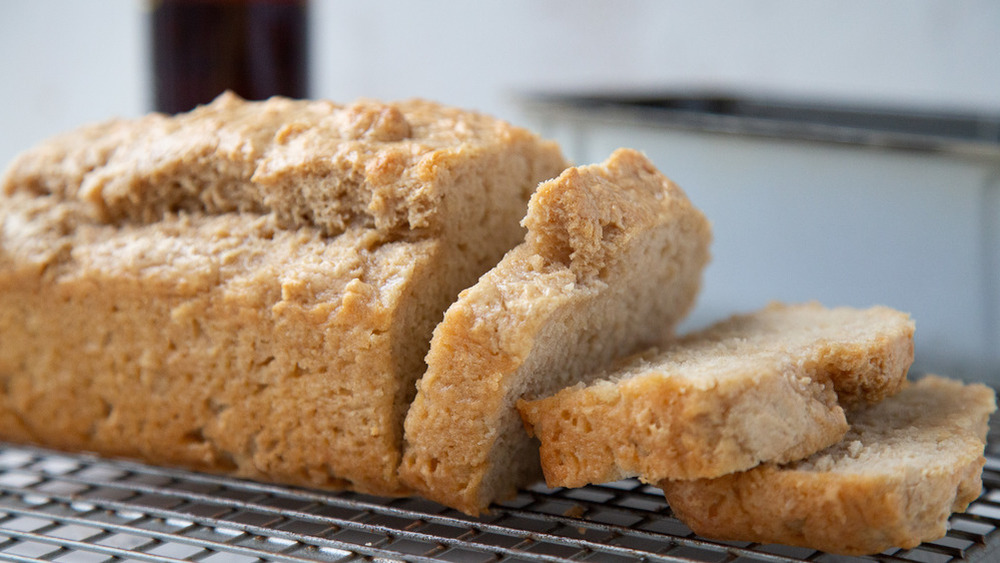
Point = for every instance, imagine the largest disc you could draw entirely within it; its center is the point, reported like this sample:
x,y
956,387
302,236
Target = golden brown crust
x,y
893,484
589,214
611,262
251,287
753,388
309,163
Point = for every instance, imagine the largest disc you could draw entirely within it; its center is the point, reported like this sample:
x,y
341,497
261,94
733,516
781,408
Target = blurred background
x,y
846,152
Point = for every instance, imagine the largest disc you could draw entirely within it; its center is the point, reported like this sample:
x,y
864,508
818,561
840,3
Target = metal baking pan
x,y
890,127
80,508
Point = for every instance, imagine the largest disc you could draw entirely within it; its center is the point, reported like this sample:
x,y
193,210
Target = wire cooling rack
x,y
78,508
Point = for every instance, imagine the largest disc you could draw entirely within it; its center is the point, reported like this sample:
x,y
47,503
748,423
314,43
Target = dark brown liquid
x,y
201,48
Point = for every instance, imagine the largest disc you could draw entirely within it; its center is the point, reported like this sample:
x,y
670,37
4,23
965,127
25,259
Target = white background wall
x,y
899,51
65,62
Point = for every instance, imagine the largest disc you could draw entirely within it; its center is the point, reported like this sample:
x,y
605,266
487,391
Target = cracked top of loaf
x,y
319,164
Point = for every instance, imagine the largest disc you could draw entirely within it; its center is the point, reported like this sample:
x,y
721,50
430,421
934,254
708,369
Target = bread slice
x,y
250,287
906,464
765,386
611,262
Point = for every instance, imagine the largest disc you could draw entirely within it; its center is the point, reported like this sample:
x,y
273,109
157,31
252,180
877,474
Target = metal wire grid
x,y
72,508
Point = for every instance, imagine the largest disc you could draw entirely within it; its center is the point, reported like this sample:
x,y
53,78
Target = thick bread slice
x,y
906,464
612,261
250,287
756,387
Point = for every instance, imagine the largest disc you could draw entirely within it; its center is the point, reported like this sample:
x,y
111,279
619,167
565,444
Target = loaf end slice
x,y
904,467
764,386
611,262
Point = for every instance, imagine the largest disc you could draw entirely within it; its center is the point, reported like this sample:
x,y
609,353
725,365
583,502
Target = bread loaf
x,y
905,465
765,386
611,262
250,287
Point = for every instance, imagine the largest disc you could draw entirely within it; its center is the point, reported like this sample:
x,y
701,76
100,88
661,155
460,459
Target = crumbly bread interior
x,y
763,386
904,466
250,287
612,261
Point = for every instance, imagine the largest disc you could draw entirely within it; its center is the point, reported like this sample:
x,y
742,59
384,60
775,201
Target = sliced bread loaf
x,y
766,386
250,287
905,465
611,262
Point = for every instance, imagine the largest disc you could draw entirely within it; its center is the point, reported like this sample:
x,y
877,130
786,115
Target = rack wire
x,y
79,508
